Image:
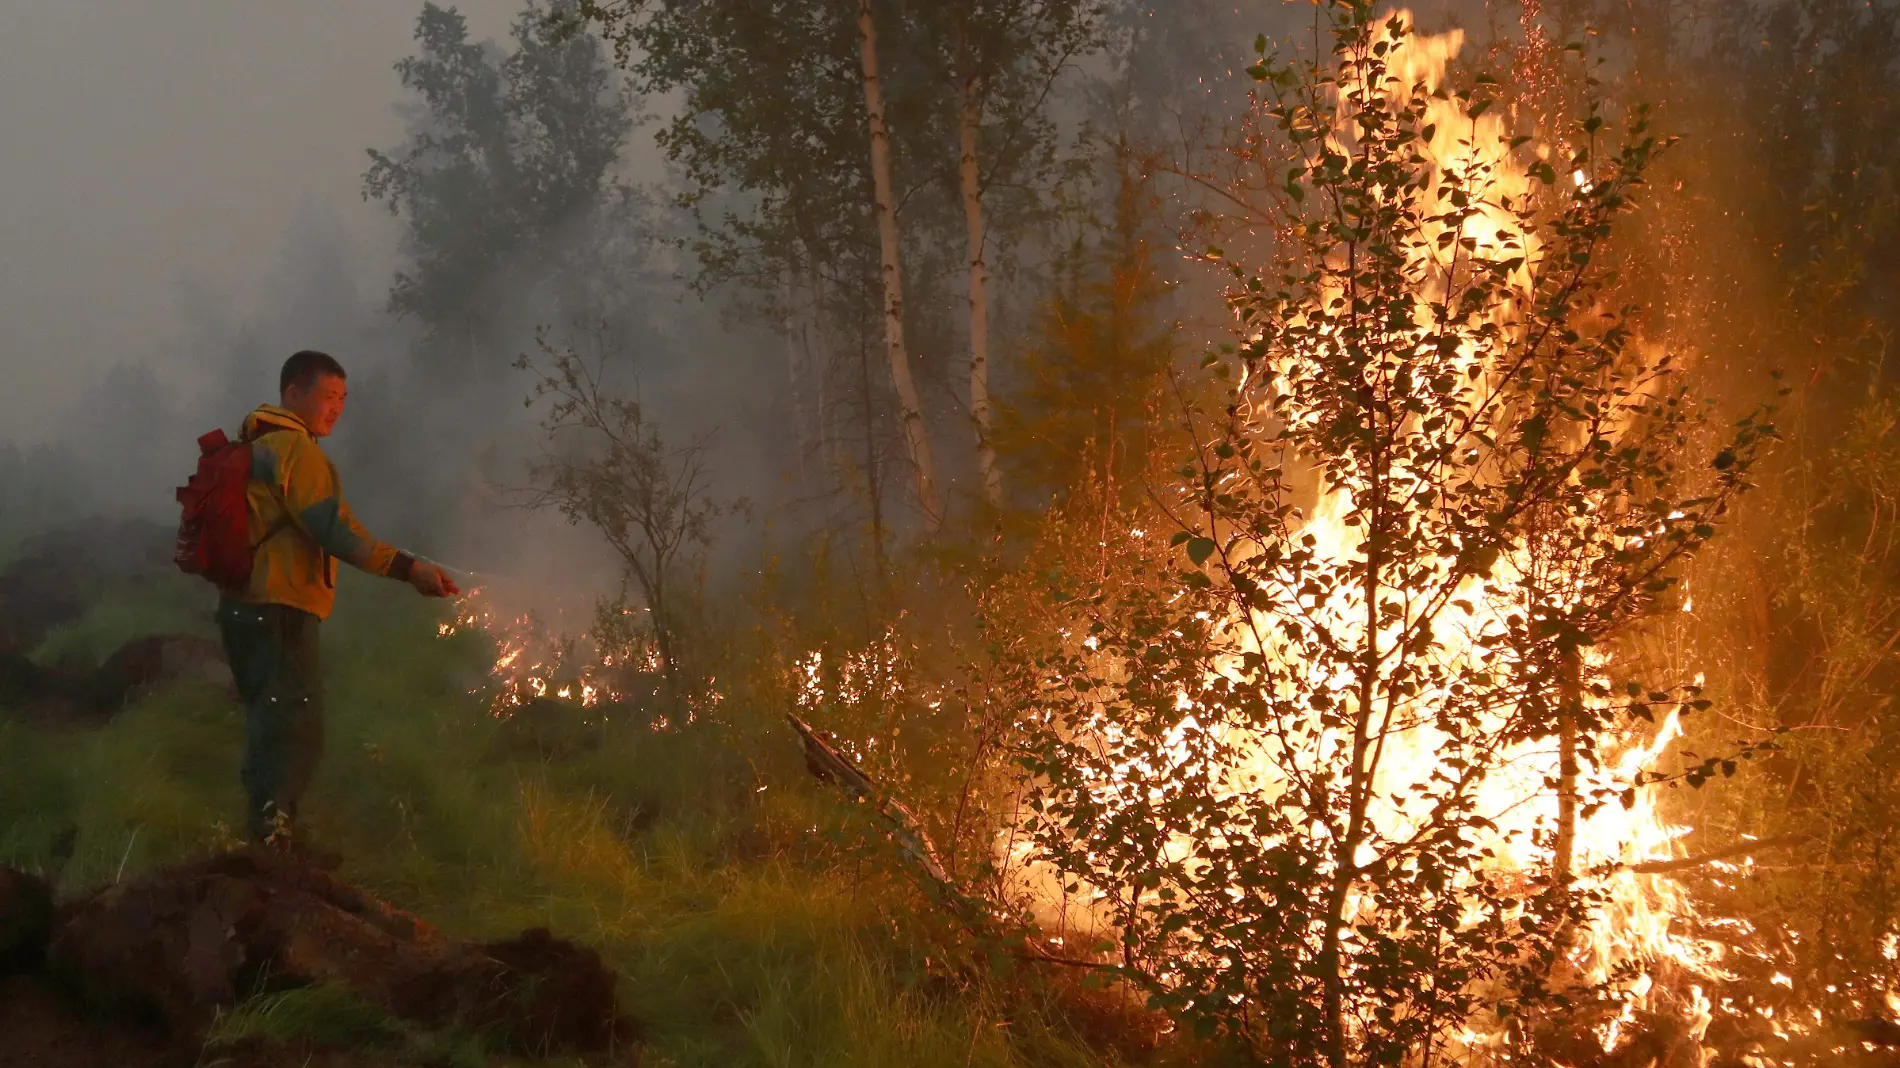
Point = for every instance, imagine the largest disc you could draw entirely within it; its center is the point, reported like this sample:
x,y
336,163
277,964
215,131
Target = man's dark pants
x,y
273,653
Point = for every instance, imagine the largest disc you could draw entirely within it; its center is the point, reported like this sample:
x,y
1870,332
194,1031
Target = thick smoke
x,y
189,198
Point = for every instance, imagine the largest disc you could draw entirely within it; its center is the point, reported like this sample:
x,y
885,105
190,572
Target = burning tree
x,y
1353,781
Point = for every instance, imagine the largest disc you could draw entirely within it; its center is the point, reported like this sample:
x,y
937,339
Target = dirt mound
x,y
552,994
26,920
53,578
56,696
143,664
41,1029
58,572
177,945
39,693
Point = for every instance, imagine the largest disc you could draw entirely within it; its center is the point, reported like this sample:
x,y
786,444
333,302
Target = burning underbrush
x,y
604,664
1359,759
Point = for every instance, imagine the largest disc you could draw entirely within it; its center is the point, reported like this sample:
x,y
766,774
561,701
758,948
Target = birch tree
x,y
1004,57
970,187
771,139
910,409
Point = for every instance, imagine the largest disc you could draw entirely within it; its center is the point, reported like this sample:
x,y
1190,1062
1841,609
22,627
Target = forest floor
x,y
750,920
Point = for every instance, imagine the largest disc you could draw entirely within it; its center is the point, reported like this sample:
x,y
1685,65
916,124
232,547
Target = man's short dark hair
x,y
304,368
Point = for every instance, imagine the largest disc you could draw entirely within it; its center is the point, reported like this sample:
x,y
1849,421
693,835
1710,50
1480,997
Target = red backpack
x,y
214,536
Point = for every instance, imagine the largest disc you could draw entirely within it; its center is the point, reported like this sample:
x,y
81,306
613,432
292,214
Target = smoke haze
x,y
156,157
181,200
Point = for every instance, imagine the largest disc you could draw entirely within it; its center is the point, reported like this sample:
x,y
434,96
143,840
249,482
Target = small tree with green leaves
x,y
607,465
1430,486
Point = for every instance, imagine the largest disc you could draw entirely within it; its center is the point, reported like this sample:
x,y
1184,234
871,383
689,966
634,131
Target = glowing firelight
x,y
1632,940
530,661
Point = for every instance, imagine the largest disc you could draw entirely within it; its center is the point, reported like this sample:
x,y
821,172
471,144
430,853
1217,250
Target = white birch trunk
x,y
909,408
970,120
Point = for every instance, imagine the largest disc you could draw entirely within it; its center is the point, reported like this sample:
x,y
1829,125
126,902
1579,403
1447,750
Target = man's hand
x,y
431,581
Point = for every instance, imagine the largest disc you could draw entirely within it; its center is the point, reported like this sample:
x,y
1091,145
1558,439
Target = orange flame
x,y
1634,934
530,660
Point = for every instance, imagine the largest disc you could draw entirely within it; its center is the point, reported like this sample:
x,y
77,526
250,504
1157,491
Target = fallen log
x,y
825,762
977,914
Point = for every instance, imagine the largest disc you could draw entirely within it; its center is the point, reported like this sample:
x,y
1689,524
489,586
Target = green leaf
x,y
1199,549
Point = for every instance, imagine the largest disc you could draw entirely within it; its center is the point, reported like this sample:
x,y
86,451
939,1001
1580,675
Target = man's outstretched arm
x,y
316,504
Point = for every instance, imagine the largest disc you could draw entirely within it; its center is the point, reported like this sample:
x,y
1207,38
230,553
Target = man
x,y
301,528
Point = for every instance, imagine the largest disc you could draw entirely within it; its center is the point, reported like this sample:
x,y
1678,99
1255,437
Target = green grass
x,y
748,925
323,1015
331,1017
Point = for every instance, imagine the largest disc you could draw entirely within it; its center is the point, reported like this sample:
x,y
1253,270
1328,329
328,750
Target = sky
x,y
148,147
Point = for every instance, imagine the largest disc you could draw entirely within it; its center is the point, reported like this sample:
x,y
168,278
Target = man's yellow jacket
x,y
298,520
